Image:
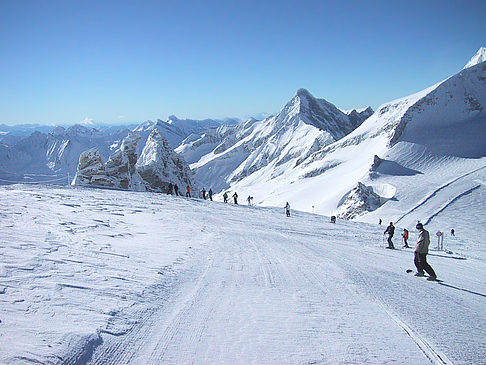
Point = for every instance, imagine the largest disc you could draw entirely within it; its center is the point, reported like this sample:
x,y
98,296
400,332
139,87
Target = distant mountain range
x,y
33,153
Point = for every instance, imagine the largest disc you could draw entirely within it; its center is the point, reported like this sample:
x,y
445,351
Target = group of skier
x,y
209,195
174,189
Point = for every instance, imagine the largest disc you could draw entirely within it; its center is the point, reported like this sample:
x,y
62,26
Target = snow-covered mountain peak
x,y
79,130
145,126
479,57
172,119
302,100
58,131
304,94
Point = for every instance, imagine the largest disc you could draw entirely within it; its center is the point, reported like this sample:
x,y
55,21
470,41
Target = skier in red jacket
x,y
405,238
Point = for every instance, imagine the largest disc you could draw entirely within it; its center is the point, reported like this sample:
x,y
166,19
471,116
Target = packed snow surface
x,y
117,277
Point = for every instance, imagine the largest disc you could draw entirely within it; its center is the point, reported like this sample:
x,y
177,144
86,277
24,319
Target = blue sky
x,y
124,61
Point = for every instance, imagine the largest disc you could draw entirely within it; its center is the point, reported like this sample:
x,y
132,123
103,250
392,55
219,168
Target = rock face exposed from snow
x,y
120,167
479,57
360,200
91,170
269,147
118,172
158,165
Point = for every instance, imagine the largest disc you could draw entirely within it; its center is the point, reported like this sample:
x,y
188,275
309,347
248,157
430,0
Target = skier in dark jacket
x,y
225,197
204,193
287,209
391,231
176,189
235,197
169,189
210,193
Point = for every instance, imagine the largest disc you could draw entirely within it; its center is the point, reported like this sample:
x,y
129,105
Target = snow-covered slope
x,y
92,276
418,154
267,148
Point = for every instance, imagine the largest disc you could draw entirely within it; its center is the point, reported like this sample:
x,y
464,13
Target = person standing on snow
x,y
176,189
235,197
420,254
210,193
204,193
169,189
391,231
188,191
287,209
405,238
225,197
440,240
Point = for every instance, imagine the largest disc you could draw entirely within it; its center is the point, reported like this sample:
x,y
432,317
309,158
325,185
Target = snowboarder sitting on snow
x,y
421,251
235,197
287,209
405,238
333,219
391,231
225,197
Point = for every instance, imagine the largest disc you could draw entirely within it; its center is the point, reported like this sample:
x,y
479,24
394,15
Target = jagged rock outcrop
x,y
360,200
118,172
121,164
159,166
91,170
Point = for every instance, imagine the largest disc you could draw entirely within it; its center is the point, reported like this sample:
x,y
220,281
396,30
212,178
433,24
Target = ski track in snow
x,y
109,277
439,190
